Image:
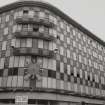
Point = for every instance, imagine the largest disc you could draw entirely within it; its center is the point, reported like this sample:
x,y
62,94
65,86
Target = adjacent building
x,y
72,59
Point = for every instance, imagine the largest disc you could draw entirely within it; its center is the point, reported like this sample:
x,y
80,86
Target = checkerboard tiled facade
x,y
77,66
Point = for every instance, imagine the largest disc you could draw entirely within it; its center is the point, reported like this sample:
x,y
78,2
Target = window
x,y
51,18
21,61
89,51
4,43
84,38
41,29
13,42
74,44
51,31
80,73
29,42
54,65
74,32
3,18
61,67
19,27
7,18
14,28
31,13
75,72
100,57
20,13
49,63
44,82
61,50
30,26
10,72
2,60
94,54
61,25
0,19
55,20
5,31
85,60
74,56
68,53
102,80
62,84
45,63
41,15
16,61
15,71
62,37
45,44
68,40
17,43
1,72
61,76
68,28
84,48
11,61
80,58
54,33
79,35
54,46
99,47
35,28
68,69
46,30
86,75
50,45
101,67
25,27
23,43
40,43
91,76
95,65
80,47
25,11
15,15
90,63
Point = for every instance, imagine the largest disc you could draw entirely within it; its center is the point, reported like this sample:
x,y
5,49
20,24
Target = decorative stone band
x,y
33,52
31,34
34,20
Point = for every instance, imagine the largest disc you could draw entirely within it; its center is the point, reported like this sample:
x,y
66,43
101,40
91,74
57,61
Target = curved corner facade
x,y
72,70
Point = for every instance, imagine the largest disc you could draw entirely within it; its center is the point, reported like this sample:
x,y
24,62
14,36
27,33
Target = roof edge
x,y
52,8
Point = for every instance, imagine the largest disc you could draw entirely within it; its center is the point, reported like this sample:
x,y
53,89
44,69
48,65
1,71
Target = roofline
x,y
53,9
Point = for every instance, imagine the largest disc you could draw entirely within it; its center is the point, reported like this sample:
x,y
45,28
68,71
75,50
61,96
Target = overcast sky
x,y
88,13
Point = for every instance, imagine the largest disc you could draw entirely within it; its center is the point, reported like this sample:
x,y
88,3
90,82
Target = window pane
x,y
4,45
29,43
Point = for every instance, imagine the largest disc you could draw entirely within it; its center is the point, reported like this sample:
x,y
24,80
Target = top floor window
x,y
25,11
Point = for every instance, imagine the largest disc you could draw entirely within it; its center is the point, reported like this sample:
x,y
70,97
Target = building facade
x,y
72,59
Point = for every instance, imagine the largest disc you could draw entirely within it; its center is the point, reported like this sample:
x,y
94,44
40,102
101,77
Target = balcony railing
x,y
37,35
34,20
33,52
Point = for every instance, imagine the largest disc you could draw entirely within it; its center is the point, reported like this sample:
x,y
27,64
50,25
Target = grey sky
x,y
89,13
